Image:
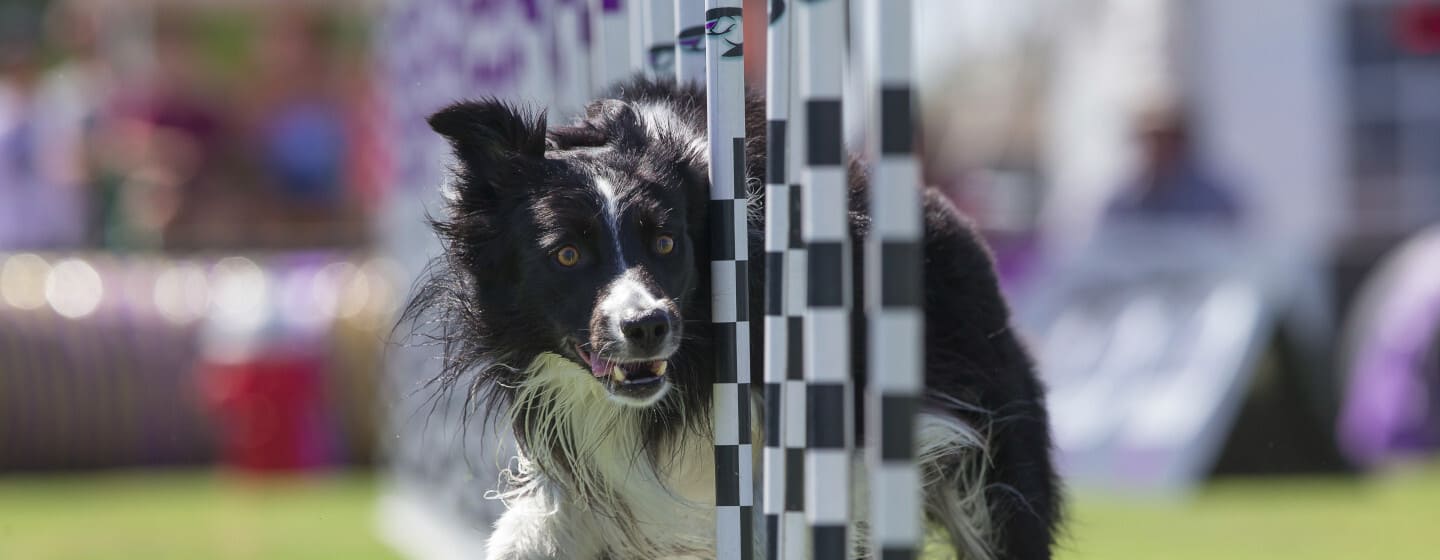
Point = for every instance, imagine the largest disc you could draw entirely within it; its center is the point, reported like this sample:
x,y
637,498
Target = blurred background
x,y
1218,223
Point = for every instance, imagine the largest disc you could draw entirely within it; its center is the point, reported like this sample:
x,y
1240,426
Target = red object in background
x,y
1418,27
269,412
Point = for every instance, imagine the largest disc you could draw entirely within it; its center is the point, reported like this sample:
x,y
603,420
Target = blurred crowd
x,y
162,125
187,195
1154,176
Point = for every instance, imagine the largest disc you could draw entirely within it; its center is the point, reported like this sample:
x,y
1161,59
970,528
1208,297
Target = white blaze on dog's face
x,y
581,244
635,327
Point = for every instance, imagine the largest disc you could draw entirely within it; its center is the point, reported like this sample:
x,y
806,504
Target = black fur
x,y
496,311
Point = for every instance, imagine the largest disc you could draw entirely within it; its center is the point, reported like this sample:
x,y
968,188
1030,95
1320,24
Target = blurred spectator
x,y
171,139
1173,183
41,127
84,86
303,137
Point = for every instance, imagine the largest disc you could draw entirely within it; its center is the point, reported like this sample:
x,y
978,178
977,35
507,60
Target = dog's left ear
x,y
492,141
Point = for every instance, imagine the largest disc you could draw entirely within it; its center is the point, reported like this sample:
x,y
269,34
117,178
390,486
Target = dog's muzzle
x,y
640,381
632,335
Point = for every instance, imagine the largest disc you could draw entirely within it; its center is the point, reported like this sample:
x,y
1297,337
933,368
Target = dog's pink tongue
x,y
601,367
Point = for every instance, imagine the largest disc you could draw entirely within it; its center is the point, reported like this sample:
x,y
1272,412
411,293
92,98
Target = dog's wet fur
x,y
565,317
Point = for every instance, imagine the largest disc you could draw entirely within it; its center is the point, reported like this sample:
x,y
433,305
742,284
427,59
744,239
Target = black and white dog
x,y
573,302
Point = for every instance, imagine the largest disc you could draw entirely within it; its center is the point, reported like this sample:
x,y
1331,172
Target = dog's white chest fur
x,y
615,504
613,500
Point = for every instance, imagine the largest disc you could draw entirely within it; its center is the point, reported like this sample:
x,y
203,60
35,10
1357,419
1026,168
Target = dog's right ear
x,y
607,121
492,141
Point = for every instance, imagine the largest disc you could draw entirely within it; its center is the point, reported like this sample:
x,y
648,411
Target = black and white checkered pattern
x,y
729,268
796,288
894,267
777,241
690,40
821,45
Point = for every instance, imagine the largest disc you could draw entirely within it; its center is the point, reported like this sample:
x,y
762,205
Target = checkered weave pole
x,y
777,242
729,269
798,538
690,41
820,35
796,545
658,25
894,253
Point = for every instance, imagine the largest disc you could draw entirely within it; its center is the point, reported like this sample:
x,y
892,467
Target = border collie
x,y
572,301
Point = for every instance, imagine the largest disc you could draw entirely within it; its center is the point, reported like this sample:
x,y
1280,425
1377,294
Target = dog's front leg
x,y
538,527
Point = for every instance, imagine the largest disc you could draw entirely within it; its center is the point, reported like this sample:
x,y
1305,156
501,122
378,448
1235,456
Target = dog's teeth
x,y
660,369
618,373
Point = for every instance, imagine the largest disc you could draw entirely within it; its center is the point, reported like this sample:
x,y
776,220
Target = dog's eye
x,y
664,245
567,256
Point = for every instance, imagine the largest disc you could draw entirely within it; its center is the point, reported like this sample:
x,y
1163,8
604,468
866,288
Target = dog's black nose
x,y
646,332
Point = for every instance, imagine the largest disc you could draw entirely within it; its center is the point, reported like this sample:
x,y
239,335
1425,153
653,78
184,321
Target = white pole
x,y
659,32
777,242
821,44
690,41
611,37
573,75
894,276
729,269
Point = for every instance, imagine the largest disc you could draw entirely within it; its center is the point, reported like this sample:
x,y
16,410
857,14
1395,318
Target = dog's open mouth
x,y
633,379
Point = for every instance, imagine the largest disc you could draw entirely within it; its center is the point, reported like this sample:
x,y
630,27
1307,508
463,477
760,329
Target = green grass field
x,y
1244,519
187,516
199,515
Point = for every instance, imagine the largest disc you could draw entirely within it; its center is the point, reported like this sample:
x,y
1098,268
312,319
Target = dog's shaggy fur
x,y
572,301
